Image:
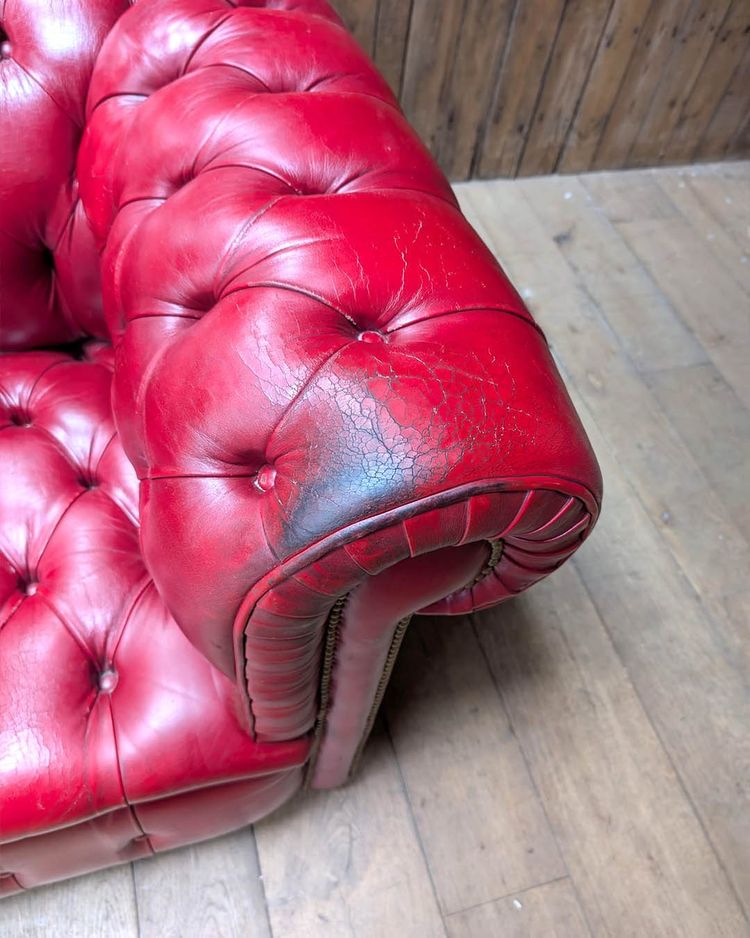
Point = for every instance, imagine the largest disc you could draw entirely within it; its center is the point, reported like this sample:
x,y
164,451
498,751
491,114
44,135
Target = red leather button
x,y
265,478
371,336
108,681
374,444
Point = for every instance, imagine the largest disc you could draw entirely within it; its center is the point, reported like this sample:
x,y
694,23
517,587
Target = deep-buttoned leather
x,y
323,386
49,285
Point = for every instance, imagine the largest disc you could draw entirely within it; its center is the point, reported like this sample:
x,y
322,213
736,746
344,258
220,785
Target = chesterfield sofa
x,y
264,394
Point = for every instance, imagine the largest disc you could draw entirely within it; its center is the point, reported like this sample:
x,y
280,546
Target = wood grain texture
x,y
651,566
723,138
645,71
683,66
100,904
727,241
602,772
465,98
391,33
480,821
570,61
611,60
532,36
349,862
695,281
725,196
689,665
522,87
548,911
361,18
702,100
573,763
716,428
208,889
424,86
649,329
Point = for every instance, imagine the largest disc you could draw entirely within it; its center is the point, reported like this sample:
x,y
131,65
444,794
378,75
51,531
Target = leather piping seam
x,y
352,532
148,802
496,552
331,641
326,672
13,877
398,636
142,836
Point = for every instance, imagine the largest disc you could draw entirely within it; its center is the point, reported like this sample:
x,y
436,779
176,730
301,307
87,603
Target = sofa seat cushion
x,y
106,709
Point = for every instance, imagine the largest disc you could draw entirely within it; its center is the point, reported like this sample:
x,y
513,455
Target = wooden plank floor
x,y
576,763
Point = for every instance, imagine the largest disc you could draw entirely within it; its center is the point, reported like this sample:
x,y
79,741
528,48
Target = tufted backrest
x,y
49,271
313,345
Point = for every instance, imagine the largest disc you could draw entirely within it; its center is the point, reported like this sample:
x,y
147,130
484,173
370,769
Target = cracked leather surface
x,y
321,384
296,296
107,712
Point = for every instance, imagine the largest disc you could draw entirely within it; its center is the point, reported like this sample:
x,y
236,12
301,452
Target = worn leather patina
x,y
265,394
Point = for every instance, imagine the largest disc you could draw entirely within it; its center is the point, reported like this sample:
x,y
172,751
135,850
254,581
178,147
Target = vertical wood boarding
x,y
528,87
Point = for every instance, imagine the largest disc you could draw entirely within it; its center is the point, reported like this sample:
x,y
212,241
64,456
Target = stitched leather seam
x,y
42,373
318,551
407,538
301,393
201,42
390,661
215,130
354,531
266,538
365,94
49,94
151,801
139,591
292,288
115,94
126,801
241,70
471,309
52,533
496,550
552,520
11,612
67,627
295,11
333,623
228,256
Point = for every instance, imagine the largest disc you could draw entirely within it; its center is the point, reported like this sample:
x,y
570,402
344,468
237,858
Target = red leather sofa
x,y
264,394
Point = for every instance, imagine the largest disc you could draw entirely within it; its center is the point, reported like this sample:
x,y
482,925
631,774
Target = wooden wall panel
x,y
724,138
569,65
361,18
523,87
702,100
391,32
433,36
467,95
684,61
533,33
624,23
642,76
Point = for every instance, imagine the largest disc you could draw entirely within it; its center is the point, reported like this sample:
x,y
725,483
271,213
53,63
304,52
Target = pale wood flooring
x,y
576,763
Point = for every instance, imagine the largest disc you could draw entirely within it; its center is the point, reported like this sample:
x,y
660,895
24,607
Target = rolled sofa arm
x,y
339,409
